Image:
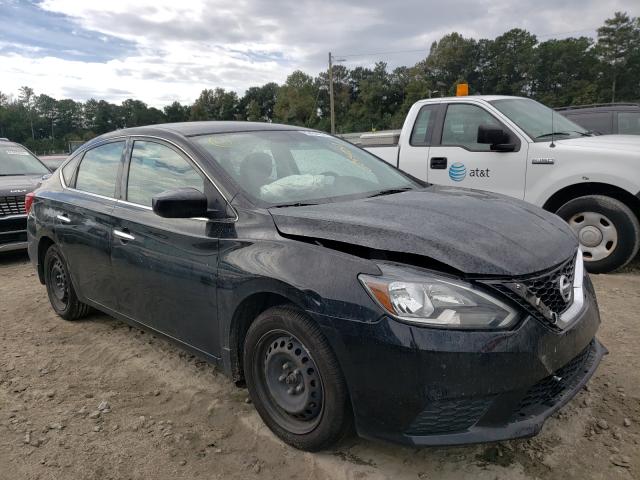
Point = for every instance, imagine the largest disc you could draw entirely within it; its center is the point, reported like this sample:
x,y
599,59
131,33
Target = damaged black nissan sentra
x,y
344,292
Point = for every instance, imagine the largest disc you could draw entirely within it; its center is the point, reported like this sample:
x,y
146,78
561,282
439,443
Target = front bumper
x,y
424,386
13,233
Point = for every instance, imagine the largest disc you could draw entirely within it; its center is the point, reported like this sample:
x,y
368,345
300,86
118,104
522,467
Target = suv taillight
x,y
28,201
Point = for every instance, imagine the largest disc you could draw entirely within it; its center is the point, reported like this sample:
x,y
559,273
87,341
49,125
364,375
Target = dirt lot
x,y
97,399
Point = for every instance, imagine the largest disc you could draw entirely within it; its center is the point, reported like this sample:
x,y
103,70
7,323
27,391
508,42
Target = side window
x,y
423,128
600,122
155,168
461,126
629,123
98,170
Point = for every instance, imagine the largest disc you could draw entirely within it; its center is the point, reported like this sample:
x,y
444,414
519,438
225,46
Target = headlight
x,y
431,300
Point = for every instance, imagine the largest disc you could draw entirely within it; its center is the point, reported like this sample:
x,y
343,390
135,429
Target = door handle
x,y
438,163
63,218
124,236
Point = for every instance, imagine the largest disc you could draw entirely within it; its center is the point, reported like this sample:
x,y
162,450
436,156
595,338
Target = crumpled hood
x,y
625,143
477,233
15,185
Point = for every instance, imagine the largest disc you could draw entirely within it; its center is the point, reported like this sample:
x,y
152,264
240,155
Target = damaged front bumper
x,y
424,386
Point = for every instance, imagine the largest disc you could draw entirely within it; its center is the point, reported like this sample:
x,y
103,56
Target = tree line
x,y
556,72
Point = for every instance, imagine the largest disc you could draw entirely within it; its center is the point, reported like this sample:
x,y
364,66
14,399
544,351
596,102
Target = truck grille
x,y
13,205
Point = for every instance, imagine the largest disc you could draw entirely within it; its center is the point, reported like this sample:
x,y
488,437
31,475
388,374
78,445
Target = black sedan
x,y
341,290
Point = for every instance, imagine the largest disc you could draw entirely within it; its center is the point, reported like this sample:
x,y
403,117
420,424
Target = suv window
x,y
98,170
629,123
461,126
155,168
600,122
422,129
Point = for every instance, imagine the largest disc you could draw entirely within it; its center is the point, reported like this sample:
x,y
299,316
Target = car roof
x,y
189,129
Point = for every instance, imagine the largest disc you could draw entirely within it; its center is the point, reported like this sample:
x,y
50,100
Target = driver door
x,y
457,159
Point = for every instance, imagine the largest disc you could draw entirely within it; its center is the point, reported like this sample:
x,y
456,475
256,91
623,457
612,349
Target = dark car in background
x,y
20,173
607,118
340,289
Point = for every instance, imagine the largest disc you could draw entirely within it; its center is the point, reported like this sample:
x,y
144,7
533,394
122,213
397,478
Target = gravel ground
x,y
97,399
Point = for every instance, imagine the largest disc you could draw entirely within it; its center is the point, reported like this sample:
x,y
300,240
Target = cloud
x,y
161,50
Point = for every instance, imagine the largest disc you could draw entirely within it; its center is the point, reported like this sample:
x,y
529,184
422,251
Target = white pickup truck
x,y
518,147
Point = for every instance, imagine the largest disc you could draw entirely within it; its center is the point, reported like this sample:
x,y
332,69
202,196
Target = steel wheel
x,y
291,380
597,234
59,284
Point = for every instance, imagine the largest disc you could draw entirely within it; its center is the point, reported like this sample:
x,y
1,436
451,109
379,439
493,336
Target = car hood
x,y
15,185
627,143
477,233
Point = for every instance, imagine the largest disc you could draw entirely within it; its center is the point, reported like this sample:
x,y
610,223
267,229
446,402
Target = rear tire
x,y
60,289
294,380
608,231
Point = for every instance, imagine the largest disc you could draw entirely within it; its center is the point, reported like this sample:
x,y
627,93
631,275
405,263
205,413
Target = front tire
x,y
60,289
608,231
294,380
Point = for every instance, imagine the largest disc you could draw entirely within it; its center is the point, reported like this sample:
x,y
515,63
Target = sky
x,y
159,51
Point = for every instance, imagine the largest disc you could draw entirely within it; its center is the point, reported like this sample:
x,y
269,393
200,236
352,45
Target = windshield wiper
x,y
552,133
390,191
295,204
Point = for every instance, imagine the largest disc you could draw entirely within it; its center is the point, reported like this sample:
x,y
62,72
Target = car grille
x,y
549,391
449,416
547,290
12,205
540,295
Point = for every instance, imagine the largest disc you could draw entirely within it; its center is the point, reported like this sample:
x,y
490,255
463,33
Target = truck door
x,y
457,159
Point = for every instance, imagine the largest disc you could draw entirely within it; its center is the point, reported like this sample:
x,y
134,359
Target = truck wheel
x,y
61,293
294,380
608,231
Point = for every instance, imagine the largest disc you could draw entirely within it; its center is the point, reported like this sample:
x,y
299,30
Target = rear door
x,y
84,220
165,268
457,159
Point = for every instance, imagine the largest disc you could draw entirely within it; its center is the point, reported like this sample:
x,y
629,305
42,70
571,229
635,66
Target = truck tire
x,y
294,380
62,295
608,231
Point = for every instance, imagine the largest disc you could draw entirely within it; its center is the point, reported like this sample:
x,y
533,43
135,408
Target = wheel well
x,y
243,317
43,246
592,188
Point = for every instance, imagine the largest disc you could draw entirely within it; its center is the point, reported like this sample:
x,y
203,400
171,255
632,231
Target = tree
x,y
564,72
296,103
26,99
215,104
176,112
618,40
47,107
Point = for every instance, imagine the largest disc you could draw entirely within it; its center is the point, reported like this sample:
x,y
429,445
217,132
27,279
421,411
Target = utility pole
x,y
333,117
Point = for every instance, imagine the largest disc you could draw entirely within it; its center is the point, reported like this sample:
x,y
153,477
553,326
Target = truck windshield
x,y
535,119
15,160
293,168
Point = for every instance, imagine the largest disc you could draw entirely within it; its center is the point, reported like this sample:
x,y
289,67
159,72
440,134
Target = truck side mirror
x,y
496,137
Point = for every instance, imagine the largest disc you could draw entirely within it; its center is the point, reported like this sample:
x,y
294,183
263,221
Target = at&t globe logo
x,y
457,172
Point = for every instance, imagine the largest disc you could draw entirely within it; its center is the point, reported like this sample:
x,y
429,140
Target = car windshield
x,y
16,160
294,167
535,119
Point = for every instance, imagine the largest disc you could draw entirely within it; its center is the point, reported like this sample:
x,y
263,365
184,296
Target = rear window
x,y
17,160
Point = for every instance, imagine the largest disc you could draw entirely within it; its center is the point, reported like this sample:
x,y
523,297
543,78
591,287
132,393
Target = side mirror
x,y
180,203
496,137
